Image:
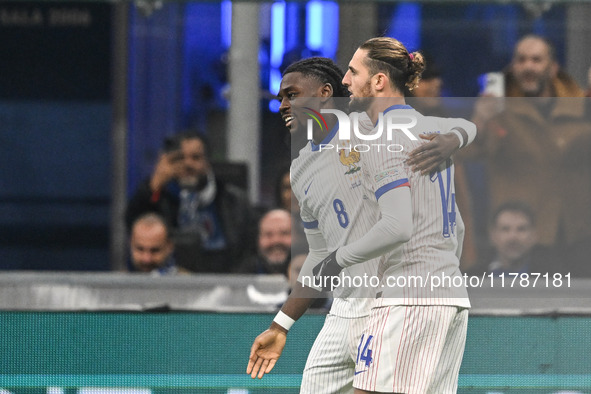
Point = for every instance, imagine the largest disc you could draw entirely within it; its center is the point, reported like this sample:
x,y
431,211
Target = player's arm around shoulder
x,y
455,134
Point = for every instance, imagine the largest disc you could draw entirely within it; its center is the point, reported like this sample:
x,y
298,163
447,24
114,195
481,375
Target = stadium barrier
x,y
139,346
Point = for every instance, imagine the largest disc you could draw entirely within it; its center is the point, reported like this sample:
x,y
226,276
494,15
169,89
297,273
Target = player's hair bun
x,y
416,66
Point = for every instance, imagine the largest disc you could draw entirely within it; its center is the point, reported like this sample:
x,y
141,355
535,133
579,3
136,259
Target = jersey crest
x,y
350,160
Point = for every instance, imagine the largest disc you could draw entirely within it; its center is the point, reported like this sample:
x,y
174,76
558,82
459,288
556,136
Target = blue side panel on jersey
x,y
390,186
311,225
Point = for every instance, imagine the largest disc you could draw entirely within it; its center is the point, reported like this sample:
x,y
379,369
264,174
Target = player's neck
x,y
319,134
380,104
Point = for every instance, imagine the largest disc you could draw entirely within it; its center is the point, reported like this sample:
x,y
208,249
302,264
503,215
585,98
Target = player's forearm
x,y
316,253
391,231
296,305
301,297
299,301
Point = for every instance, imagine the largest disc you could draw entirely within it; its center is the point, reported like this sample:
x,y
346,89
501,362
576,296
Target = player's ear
x,y
326,91
380,80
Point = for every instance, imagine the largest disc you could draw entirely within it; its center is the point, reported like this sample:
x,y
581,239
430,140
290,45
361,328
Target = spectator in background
x,y
535,72
513,237
151,247
273,245
537,150
213,222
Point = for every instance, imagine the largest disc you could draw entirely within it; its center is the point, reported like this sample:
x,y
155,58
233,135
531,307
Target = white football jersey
x,y
424,270
327,182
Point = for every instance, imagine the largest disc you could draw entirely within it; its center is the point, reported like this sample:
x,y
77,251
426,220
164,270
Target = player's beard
x,y
362,101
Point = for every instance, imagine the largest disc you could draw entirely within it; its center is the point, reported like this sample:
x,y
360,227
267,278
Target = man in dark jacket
x,y
214,223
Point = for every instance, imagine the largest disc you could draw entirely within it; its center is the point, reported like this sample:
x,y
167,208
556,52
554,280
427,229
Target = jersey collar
x,y
326,139
392,108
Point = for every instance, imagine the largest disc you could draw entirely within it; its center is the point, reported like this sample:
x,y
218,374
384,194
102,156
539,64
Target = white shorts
x,y
412,350
331,362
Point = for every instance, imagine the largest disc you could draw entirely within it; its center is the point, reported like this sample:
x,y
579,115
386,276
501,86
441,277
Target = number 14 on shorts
x,y
363,353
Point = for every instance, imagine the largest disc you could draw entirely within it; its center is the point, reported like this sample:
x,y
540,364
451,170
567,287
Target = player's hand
x,y
265,352
326,270
428,157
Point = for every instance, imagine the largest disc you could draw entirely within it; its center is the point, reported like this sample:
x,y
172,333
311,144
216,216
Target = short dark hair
x,y
324,70
514,206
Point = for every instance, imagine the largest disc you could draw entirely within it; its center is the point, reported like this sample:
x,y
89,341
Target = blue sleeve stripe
x,y
390,186
310,225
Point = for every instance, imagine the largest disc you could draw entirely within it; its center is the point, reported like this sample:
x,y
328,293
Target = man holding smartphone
x,y
213,222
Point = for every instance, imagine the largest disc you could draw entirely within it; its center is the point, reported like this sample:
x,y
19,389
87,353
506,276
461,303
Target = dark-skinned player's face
x,y
293,91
